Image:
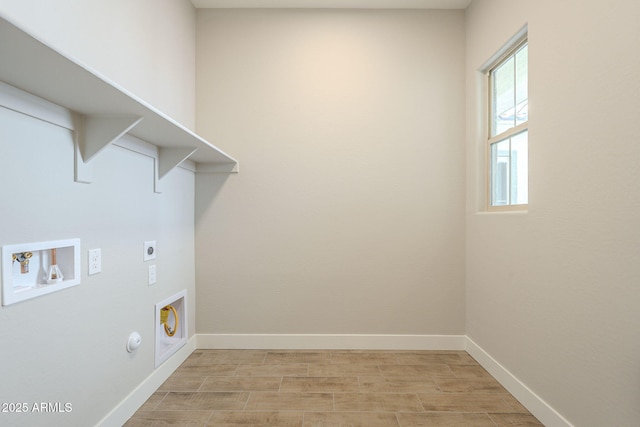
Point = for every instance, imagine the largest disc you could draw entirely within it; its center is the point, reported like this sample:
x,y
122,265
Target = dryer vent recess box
x,y
167,345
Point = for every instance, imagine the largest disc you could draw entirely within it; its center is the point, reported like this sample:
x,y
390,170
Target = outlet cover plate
x,y
152,275
150,250
95,261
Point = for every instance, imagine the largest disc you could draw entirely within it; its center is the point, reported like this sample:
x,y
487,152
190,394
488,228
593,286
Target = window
x,y
507,142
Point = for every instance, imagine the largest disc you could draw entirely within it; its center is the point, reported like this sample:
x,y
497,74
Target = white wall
x,y
347,216
69,346
553,294
145,46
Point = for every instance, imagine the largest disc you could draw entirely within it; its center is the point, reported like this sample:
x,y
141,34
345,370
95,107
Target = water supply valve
x,y
23,259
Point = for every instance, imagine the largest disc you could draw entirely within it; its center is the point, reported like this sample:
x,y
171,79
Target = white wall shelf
x,y
107,111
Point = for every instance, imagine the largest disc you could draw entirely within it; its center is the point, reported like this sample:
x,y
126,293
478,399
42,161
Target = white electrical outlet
x,y
152,275
150,250
95,261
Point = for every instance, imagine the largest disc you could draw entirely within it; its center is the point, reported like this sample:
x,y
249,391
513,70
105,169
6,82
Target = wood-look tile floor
x,y
331,388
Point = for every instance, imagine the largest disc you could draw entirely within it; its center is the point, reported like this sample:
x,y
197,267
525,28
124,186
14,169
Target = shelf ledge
x,y
98,110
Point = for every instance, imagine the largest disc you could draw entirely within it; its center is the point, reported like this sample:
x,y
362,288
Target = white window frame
x,y
507,52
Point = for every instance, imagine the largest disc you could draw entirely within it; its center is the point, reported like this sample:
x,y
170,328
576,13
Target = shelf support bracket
x,y
215,168
168,158
94,134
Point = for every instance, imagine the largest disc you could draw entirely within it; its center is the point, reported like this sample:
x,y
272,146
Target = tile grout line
x,y
202,383
421,404
397,419
157,405
244,408
206,423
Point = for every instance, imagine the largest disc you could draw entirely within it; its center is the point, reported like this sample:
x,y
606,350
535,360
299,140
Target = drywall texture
x,y
69,347
348,214
553,294
145,46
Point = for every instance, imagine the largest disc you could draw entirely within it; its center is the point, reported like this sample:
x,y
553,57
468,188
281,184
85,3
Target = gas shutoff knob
x,y
134,342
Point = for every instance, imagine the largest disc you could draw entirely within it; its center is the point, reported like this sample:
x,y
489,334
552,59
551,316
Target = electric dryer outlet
x,y
150,250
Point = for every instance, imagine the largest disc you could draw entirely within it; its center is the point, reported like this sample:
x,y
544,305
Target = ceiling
x,y
332,4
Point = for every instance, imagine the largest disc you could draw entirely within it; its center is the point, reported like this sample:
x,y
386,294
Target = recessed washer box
x,y
26,269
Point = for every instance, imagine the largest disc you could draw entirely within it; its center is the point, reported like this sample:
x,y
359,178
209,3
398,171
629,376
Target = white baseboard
x,y
330,342
538,407
129,405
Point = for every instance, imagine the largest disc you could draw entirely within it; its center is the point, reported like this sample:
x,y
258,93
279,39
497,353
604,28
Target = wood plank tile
x,y
349,419
512,420
464,402
343,370
233,357
272,401
263,419
192,359
206,370
182,383
204,400
427,369
153,401
363,357
241,384
282,357
469,385
169,418
290,370
377,402
443,419
320,384
469,371
331,388
515,405
397,385
446,357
